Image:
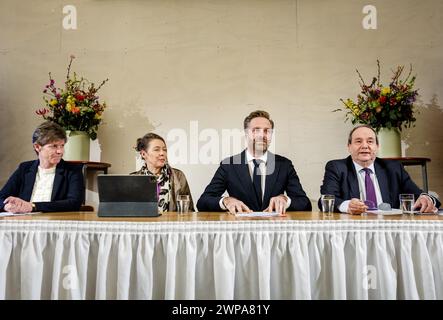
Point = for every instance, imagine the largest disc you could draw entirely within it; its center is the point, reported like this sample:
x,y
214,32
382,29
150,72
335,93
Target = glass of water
x,y
327,204
407,203
183,201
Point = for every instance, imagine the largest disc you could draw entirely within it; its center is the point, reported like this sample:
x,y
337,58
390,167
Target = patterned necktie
x,y
369,186
256,179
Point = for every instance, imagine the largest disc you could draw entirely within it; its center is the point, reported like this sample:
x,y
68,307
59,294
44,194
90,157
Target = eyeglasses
x,y
382,206
370,204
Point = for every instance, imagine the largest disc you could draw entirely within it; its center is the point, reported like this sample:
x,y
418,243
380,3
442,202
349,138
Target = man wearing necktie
x,y
256,179
362,181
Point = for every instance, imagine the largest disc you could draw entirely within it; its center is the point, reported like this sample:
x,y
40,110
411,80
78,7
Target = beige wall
x,y
174,62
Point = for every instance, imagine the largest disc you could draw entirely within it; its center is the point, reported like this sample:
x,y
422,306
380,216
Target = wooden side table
x,y
416,161
89,166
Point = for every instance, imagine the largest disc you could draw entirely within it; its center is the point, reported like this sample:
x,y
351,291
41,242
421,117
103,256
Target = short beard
x,y
259,151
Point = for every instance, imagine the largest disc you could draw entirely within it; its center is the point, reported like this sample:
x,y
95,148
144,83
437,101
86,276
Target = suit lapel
x,y
242,170
30,180
58,179
382,179
352,180
273,167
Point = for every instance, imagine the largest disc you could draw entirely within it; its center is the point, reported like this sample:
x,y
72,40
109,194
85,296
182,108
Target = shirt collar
x,y
46,171
250,157
358,167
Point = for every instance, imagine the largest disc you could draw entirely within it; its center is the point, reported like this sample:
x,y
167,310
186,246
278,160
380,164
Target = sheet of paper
x,y
426,213
391,212
257,214
10,214
394,212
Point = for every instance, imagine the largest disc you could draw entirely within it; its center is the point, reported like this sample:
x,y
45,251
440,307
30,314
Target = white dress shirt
x,y
250,160
361,186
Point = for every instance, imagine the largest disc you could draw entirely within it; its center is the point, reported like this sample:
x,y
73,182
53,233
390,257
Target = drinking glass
x,y
327,204
183,201
407,203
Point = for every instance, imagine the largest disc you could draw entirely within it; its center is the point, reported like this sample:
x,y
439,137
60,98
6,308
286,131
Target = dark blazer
x,y
341,180
67,193
233,176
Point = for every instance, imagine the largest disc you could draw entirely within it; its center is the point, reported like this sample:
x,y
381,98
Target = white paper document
x,y
392,212
258,214
10,214
426,213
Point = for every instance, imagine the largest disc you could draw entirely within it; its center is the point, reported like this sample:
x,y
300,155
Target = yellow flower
x,y
97,116
349,103
53,102
70,99
356,112
385,91
70,106
353,107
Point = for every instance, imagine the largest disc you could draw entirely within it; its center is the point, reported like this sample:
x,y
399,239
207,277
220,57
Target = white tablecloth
x,y
221,260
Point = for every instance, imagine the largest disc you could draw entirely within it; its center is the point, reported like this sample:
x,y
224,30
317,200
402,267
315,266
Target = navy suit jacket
x,y
341,180
233,176
67,192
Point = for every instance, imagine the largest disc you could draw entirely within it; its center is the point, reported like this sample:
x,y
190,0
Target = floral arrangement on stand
x,y
380,106
76,107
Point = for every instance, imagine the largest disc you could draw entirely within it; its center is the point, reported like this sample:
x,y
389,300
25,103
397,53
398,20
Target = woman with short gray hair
x,y
47,184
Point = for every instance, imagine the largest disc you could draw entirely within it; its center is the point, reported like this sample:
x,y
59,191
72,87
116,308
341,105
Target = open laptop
x,y
127,196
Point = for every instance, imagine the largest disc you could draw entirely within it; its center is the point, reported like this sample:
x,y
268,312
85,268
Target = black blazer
x,y
341,180
233,176
67,192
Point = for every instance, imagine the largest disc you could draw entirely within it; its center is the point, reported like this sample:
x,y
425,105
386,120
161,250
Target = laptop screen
x,y
127,188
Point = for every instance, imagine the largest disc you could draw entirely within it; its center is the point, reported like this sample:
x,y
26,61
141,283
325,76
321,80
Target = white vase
x,y
389,143
77,146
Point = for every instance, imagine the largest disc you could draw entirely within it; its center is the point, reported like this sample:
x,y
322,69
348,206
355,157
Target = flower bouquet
x,y
76,107
380,106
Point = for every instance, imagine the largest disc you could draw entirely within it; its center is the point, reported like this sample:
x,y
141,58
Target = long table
x,y
209,255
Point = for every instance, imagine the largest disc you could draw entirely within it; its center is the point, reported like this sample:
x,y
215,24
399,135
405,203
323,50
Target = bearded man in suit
x,y
255,179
